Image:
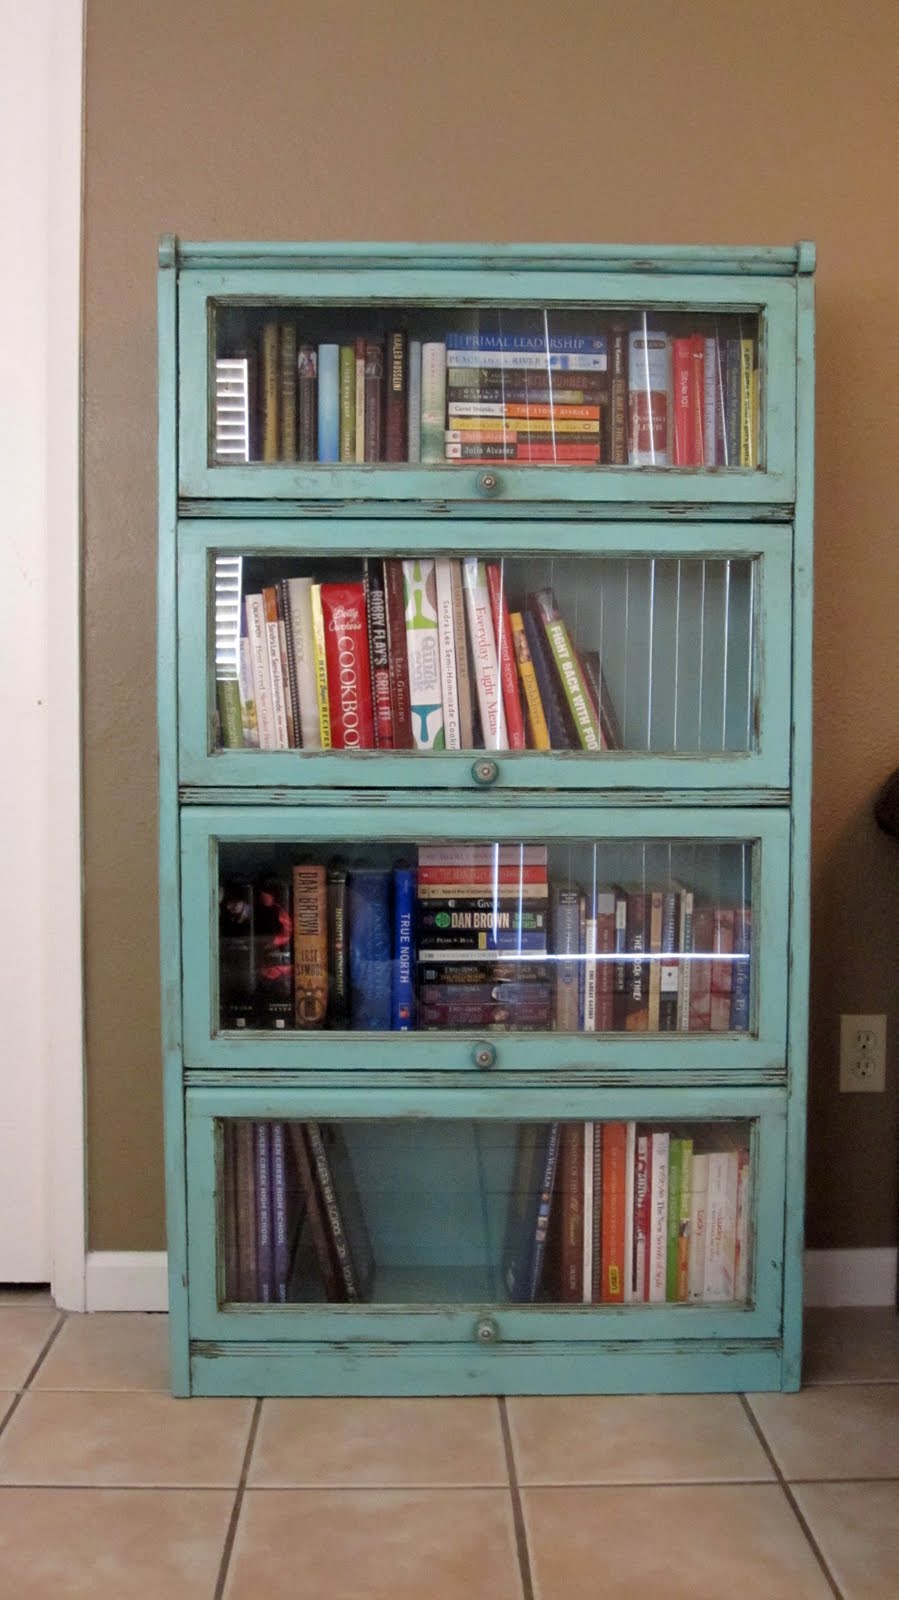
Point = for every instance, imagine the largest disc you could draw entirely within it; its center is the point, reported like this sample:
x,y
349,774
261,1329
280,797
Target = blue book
x,y
370,947
556,343
740,983
329,402
529,1209
403,991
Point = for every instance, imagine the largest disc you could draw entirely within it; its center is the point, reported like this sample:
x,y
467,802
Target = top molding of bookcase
x,y
783,261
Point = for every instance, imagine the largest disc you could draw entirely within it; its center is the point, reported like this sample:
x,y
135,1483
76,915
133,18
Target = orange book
x,y
614,1148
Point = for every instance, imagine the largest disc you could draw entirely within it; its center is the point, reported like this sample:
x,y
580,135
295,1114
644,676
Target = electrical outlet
x,y
863,1049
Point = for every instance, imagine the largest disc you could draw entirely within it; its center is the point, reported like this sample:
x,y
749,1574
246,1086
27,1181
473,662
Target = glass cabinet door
x,y
324,938
630,660
305,384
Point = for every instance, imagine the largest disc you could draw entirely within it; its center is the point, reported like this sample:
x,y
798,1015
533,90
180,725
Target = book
x,y
260,661
658,1216
630,1177
506,657
540,343
642,1212
697,400
370,947
332,1283
310,945
338,946
532,360
402,986
307,402
654,946
683,418
512,412
359,428
280,1212
320,658
565,905
591,1238
287,380
395,422
423,655
721,968
273,953
700,1012
537,729
373,444
699,1194
443,1016
675,1192
469,856
721,1226
342,1208
328,394
347,664
236,954
614,1147
669,963
647,367
477,876
446,633
742,968
277,657
265,1255
605,946
634,1002
617,447
571,678
552,699
271,390
458,889
685,967
378,652
347,409
569,1210
433,400
243,1285
413,407
530,1206
485,662
744,1202
464,689
398,663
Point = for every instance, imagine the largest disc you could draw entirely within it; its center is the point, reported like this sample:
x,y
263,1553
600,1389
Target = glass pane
x,y
587,654
418,1212
633,935
586,386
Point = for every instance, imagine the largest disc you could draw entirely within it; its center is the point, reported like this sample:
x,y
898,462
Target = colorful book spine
x,y
721,1226
658,1216
484,654
328,402
277,665
464,687
346,655
257,635
642,1213
413,447
618,394
271,390
681,372
531,360
710,403
539,343
506,658
265,1258
551,696
307,402
675,1178
237,970
570,1201
537,729
273,953
396,396
398,662
370,948
373,446
433,400
516,412
446,633
403,986
467,856
647,367
742,969
722,969
565,908
338,947
423,655
605,950
347,374
310,945
571,677
353,1284
379,652
359,422
748,453
322,701
280,1212
287,379
699,1197
614,1145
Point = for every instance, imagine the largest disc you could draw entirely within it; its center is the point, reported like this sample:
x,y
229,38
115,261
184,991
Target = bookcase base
x,y
272,1369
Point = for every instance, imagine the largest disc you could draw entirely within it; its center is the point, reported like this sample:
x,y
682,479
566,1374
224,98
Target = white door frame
x,y
41,134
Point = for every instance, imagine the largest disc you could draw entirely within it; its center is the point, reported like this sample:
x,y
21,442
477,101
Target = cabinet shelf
x,y
484,696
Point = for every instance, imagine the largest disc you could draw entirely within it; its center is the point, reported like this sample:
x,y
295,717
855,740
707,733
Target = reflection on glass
x,y
647,936
519,386
576,653
399,1212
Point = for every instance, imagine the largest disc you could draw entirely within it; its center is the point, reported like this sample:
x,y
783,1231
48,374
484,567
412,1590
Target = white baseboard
x,y
127,1280
850,1277
137,1280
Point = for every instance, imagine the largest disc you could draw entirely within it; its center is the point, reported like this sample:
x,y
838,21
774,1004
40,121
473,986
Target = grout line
x,y
791,1498
521,1538
17,1397
238,1502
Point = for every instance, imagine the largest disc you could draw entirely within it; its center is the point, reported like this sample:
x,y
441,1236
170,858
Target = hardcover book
x,y
529,1209
310,943
342,1209
346,655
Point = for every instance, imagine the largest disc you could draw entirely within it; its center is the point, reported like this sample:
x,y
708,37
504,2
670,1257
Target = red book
x,y
486,874
642,1207
508,670
697,397
346,657
614,1146
682,374
398,660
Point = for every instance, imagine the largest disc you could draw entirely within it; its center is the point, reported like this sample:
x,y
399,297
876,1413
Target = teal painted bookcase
x,y
484,707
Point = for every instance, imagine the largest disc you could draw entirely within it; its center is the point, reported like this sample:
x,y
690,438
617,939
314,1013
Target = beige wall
x,y
354,119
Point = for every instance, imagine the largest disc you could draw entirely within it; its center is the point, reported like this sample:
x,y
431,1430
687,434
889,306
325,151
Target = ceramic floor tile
x,y
139,1440
24,1330
374,1544
108,1350
111,1544
856,1526
669,1543
844,1432
634,1439
348,1443
851,1344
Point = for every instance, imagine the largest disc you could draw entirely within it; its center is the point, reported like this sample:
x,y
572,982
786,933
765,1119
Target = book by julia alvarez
x,y
346,655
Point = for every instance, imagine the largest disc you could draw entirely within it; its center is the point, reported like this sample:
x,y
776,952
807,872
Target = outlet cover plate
x,y
863,1041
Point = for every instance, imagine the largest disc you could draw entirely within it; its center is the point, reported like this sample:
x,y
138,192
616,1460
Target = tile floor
x,y
111,1489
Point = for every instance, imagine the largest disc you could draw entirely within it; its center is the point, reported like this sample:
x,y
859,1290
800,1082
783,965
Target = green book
x,y
347,402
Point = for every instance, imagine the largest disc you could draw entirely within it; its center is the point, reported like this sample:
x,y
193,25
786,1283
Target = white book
x,y
721,1226
685,967
647,389
248,695
279,684
630,1164
589,1211
423,654
413,448
658,1215
446,627
590,975
484,657
257,632
744,1200
533,360
299,598
699,1195
463,674
433,400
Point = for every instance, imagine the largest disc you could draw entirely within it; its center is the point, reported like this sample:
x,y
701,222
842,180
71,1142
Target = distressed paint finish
x,y
761,796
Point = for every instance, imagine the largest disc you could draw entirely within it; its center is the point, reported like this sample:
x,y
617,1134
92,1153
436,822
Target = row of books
x,y
636,395
292,1213
423,654
476,936
598,1213
622,1212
